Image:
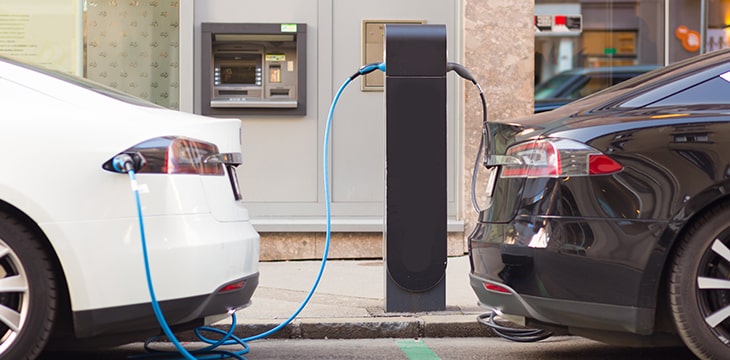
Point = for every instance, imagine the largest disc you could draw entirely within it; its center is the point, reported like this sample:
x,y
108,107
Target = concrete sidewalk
x,y
349,303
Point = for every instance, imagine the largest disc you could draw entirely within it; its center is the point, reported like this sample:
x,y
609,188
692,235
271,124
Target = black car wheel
x,y
700,286
27,292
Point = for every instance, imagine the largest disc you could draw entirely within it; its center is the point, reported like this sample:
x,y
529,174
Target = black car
x,y
609,217
574,84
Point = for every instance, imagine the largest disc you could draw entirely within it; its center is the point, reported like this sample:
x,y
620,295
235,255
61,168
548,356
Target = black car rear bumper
x,y
571,314
583,273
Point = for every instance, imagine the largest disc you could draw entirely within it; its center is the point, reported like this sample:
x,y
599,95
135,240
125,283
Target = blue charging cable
x,y
125,163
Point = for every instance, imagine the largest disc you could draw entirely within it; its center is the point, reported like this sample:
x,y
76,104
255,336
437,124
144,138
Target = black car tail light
x,y
557,158
178,155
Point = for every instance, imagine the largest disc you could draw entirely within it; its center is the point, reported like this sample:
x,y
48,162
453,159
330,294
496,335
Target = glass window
x,y
42,32
712,92
615,35
593,84
550,88
132,46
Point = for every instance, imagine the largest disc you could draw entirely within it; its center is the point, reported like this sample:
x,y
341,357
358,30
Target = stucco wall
x,y
499,40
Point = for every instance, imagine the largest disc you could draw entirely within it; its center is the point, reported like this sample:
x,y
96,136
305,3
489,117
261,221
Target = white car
x,y
71,258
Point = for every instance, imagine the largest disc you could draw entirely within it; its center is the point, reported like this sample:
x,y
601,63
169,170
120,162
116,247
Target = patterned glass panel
x,y
132,45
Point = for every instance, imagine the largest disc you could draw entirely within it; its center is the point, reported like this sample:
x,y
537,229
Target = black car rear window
x,y
715,91
664,84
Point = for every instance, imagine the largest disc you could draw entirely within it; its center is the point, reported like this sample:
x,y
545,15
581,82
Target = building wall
x,y
500,53
281,175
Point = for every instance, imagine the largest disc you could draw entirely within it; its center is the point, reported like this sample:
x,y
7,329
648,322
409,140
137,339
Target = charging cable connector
x,y
464,73
367,69
126,162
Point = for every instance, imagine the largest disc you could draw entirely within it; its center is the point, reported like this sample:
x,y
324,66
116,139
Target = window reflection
x,y
618,35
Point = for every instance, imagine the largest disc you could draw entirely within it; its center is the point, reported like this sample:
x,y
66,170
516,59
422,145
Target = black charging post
x,y
416,199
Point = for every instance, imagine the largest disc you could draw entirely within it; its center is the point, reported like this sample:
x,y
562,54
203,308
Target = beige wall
x,y
498,44
499,41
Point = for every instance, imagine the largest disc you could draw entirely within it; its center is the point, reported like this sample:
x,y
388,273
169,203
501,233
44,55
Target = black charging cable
x,y
484,143
513,334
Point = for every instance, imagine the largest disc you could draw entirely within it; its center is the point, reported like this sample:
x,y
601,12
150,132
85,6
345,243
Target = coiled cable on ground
x,y
513,334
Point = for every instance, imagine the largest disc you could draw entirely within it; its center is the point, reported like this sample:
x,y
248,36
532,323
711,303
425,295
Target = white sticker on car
x,y
726,76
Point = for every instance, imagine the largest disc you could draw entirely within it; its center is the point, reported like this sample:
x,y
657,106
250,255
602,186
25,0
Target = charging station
x,y
415,233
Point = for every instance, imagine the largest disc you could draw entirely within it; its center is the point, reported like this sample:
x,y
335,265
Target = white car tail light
x,y
186,156
557,158
181,155
177,155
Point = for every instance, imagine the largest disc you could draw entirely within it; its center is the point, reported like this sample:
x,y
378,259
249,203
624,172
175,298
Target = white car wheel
x,y
27,292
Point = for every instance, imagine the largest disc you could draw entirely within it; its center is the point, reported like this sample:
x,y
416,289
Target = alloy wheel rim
x,y
713,288
14,290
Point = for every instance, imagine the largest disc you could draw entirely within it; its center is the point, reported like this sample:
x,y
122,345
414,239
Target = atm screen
x,y
239,74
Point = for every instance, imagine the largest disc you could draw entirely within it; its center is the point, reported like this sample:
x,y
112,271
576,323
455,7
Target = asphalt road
x,y
562,348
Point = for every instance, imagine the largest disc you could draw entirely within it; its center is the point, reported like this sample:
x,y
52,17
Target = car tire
x,y
699,285
27,291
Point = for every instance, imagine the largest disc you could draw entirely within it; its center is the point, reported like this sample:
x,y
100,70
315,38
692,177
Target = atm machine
x,y
253,69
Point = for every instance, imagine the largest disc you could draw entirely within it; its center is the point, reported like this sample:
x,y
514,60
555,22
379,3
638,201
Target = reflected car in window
x,y
574,84
609,217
